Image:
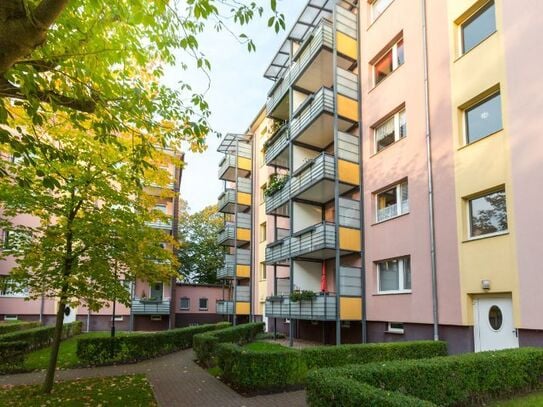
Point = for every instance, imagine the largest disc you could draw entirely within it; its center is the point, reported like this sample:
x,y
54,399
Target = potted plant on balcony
x,y
302,295
275,183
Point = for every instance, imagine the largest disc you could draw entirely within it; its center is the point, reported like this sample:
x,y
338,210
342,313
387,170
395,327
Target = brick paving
x,y
176,381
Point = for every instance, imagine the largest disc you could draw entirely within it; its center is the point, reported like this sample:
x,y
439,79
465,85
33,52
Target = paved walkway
x,y
176,381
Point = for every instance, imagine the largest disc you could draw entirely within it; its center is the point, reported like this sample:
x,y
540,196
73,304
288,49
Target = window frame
x,y
479,102
373,16
399,202
471,18
401,276
11,317
395,330
200,308
468,200
397,129
395,63
181,308
263,232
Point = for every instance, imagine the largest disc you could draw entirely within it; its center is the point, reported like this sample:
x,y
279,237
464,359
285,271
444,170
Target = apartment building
x,y
403,161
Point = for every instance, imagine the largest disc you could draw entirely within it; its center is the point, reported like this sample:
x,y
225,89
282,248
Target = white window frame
x,y
374,15
401,275
200,308
468,215
402,206
395,64
397,129
395,330
118,318
184,308
11,317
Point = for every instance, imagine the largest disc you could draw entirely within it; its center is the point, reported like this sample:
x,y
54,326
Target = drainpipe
x,y
42,307
433,262
175,233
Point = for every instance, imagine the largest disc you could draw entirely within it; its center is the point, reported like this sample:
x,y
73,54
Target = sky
x,y
237,93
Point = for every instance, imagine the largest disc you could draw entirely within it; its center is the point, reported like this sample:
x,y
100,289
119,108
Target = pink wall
x,y
522,108
194,293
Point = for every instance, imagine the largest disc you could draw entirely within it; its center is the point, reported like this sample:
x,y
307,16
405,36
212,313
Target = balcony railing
x,y
321,36
320,168
278,251
160,224
392,211
226,200
225,307
277,144
318,103
149,307
228,270
321,308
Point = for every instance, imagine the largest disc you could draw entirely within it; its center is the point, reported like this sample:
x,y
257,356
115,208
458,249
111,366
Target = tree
x,y
101,64
200,256
92,215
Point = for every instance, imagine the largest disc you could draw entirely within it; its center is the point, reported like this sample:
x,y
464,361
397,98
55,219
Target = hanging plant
x,y
275,183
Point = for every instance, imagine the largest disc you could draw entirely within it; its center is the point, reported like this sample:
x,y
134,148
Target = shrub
x,y
445,381
204,344
333,356
133,348
19,326
268,370
41,337
12,355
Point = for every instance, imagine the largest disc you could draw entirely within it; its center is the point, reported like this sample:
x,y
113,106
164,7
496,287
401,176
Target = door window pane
x,y
488,214
484,119
478,27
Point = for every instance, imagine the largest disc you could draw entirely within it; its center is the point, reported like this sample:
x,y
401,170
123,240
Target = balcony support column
x,y
234,317
290,208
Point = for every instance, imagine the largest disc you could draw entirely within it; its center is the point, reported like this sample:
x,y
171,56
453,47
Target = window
x,y
161,208
389,62
488,214
15,239
184,303
392,202
156,318
484,118
394,276
378,7
118,318
8,288
263,231
395,327
262,271
478,27
262,194
203,304
393,129
10,318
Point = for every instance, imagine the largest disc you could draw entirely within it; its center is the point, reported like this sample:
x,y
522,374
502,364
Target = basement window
x,y
395,328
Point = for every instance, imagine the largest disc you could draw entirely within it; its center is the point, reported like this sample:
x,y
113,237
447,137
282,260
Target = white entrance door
x,y
494,328
69,315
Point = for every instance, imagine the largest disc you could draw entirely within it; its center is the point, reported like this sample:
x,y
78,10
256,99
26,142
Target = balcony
x,y
313,181
160,225
230,266
229,236
150,307
277,153
392,211
225,307
278,252
227,167
227,200
313,122
321,308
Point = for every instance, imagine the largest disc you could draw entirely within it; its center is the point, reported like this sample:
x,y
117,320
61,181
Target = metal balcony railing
x,y
149,307
228,270
277,144
227,199
228,233
318,103
321,308
225,307
321,36
160,224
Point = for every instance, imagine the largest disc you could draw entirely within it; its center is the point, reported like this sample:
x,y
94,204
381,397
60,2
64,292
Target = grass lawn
x,y
530,400
264,346
67,356
106,391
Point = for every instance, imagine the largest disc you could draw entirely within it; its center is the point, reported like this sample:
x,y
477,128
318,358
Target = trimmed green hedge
x,y
133,348
251,370
334,356
17,326
12,355
444,381
204,344
42,337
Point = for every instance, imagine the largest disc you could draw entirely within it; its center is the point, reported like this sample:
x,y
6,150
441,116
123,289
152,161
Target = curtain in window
x,y
384,134
388,276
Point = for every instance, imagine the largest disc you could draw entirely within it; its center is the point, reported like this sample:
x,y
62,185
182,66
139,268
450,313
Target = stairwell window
x,y
378,7
488,215
389,62
484,118
392,130
394,276
392,202
478,27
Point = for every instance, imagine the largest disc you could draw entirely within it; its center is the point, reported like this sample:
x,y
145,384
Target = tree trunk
x,y
51,369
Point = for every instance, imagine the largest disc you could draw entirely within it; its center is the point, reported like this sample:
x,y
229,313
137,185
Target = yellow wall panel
x,y
347,107
349,239
244,198
348,172
242,308
245,163
347,45
350,308
243,271
244,234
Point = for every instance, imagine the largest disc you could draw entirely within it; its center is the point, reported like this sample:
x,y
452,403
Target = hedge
x,y
41,337
444,381
250,370
204,345
12,355
17,326
334,356
133,348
